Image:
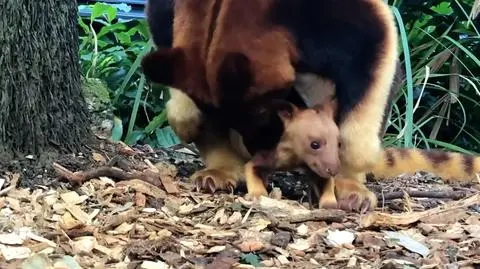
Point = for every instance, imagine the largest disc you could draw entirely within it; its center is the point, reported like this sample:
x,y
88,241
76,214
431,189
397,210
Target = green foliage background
x,y
436,106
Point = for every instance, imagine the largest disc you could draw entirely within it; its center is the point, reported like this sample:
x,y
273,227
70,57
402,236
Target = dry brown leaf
x,y
140,199
144,187
126,150
73,198
168,184
250,245
236,217
68,222
98,157
78,213
473,230
83,245
123,228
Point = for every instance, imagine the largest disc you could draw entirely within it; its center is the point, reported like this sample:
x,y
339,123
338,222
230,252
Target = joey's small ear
x,y
164,65
235,73
329,107
285,110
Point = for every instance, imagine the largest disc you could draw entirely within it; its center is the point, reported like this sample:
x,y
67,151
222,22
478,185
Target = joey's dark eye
x,y
339,144
315,145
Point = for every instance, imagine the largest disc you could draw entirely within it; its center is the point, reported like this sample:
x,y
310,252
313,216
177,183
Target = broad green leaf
x,y
123,37
166,137
134,137
110,29
443,8
99,9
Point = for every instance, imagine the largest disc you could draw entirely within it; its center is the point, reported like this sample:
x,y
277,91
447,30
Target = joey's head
x,y
310,136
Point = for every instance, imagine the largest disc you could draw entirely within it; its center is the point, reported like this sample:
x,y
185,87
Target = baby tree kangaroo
x,y
310,138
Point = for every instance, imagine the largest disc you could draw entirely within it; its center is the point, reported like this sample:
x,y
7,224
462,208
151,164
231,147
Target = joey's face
x,y
316,142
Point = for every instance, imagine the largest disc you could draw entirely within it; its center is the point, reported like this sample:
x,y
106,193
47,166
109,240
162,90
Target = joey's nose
x,y
332,171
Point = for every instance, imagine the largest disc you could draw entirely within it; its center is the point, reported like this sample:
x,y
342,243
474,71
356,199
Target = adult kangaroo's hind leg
x,y
224,167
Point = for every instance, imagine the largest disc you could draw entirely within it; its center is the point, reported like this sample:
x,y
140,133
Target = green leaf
x,y
134,137
156,122
251,259
166,137
123,37
100,9
123,7
443,8
117,130
84,26
111,28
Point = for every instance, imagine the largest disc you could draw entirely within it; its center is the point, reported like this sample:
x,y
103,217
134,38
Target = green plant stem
x,y
132,70
133,116
408,69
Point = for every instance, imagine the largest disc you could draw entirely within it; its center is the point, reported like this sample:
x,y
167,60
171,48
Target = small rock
x,y
302,229
83,245
267,263
10,253
352,262
300,244
154,265
283,260
473,230
11,239
281,239
338,238
276,193
337,226
455,232
236,217
369,239
216,249
426,228
171,258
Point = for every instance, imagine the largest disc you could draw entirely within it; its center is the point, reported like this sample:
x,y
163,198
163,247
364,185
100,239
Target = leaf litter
x,y
135,208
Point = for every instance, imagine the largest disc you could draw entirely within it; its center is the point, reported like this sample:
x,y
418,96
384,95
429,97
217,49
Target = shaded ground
x,y
162,221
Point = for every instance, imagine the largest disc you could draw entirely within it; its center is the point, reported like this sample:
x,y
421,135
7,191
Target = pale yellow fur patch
x,y
183,115
361,144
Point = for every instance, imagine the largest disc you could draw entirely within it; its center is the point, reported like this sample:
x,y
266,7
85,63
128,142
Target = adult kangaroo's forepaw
x,y
212,180
354,196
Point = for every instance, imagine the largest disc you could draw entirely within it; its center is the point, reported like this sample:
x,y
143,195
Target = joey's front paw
x,y
212,180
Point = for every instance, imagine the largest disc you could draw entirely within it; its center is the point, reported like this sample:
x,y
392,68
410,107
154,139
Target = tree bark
x,y
42,109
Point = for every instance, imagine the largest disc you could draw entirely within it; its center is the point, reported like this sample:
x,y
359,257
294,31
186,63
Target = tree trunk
x,y
42,109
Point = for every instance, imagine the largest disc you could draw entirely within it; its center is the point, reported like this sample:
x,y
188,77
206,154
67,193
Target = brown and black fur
x,y
351,42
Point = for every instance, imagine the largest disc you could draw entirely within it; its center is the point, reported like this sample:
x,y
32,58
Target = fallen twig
x,y
449,194
106,171
327,215
380,219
